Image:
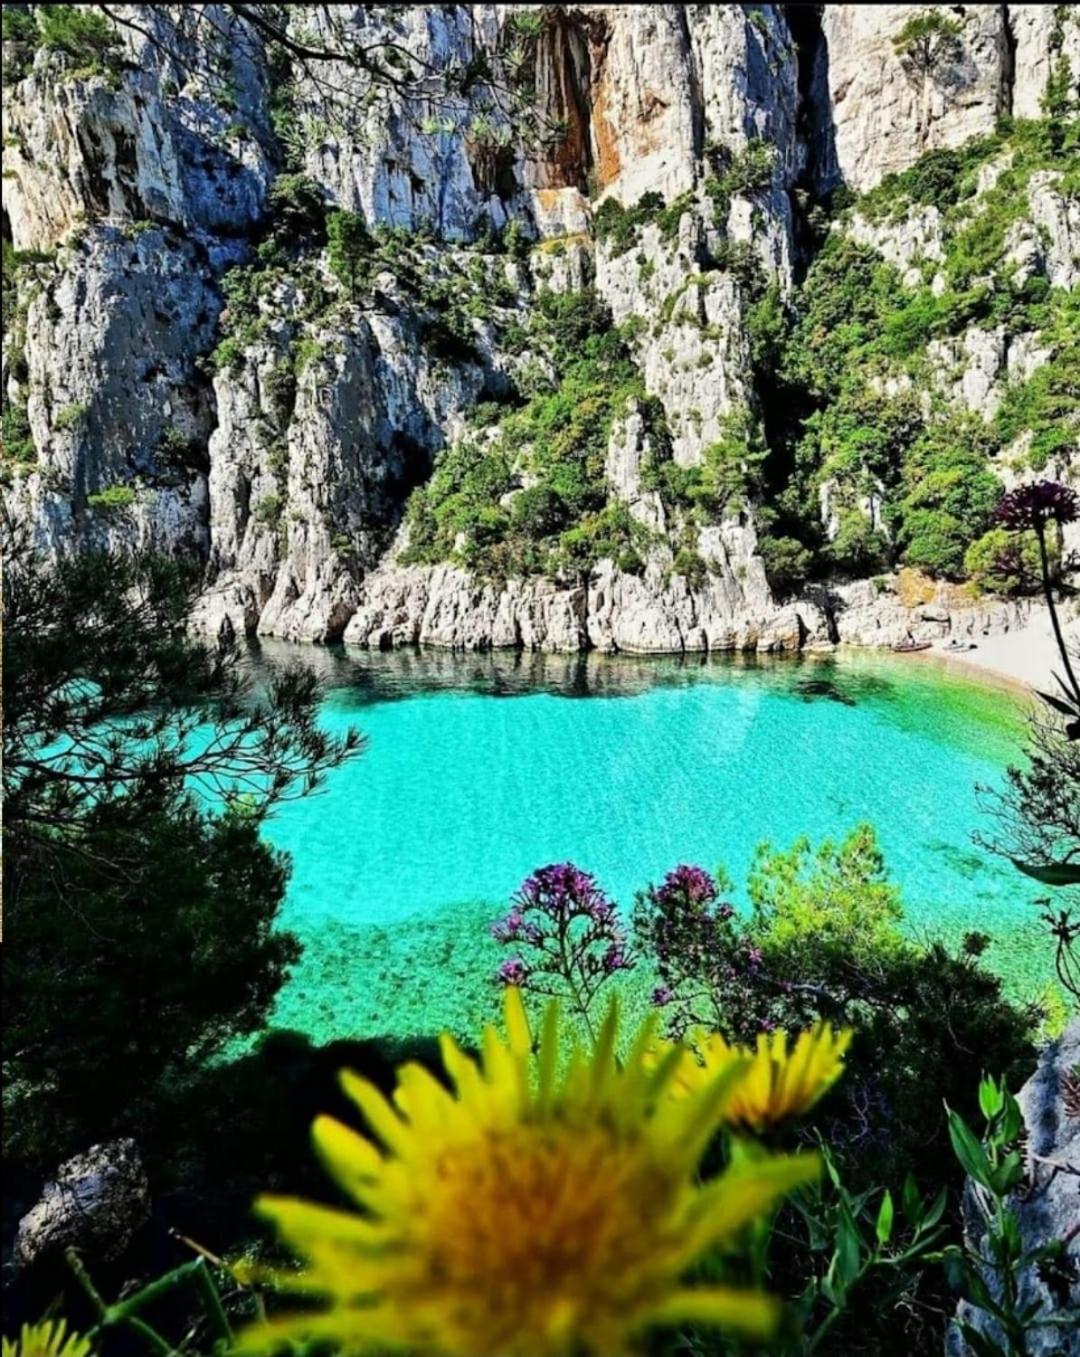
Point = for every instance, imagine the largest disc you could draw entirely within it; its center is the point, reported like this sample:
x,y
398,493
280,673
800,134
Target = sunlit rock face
x,y
284,460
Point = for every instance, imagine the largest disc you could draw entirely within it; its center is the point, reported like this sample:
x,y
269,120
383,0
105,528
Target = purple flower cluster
x,y
686,885
571,931
562,887
1033,506
513,971
515,928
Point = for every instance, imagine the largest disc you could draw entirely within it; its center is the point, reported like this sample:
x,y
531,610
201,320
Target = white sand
x,y
1026,656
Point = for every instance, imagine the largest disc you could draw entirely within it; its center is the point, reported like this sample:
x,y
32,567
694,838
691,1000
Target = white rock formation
x,y
289,477
889,108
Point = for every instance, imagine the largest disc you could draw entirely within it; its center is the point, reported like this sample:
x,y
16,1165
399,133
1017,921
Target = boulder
x,y
1047,1207
95,1204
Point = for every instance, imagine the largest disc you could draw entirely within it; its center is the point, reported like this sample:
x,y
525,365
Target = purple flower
x,y
1033,506
616,958
692,885
662,995
561,889
513,971
506,930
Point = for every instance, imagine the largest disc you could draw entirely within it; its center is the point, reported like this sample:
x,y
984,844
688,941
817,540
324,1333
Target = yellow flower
x,y
47,1339
543,1207
782,1081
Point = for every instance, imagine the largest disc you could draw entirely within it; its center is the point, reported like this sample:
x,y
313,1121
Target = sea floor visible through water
x,y
480,768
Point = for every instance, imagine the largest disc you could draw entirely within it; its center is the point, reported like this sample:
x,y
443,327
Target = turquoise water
x,y
479,769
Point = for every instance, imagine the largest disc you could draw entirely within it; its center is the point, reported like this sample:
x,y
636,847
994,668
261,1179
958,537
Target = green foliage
x,y
21,39
928,40
83,34
824,941
140,898
1003,562
990,1278
857,549
296,209
546,459
268,511
941,178
351,247
948,495
70,417
1048,403
19,449
834,900
867,1253
855,330
619,227
788,563
112,497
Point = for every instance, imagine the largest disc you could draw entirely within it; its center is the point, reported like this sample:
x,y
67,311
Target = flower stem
x,y
1040,533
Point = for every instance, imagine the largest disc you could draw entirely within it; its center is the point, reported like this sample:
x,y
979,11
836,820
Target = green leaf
x,y
910,1200
969,1151
936,1211
991,1098
848,1250
1008,1174
885,1217
979,1344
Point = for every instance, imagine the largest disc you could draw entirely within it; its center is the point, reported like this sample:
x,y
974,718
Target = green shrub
x,y
83,34
857,548
112,497
1003,562
351,248
296,210
618,227
538,512
269,510
787,563
835,899
70,417
948,497
18,442
21,39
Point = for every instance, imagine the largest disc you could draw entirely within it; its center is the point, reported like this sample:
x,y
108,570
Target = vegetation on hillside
x,y
852,399
856,398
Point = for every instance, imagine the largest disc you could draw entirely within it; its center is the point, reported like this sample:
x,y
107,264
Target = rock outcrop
x,y
283,458
95,1204
1047,1208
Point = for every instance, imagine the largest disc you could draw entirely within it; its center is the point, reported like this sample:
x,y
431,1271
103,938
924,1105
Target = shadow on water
x,y
387,676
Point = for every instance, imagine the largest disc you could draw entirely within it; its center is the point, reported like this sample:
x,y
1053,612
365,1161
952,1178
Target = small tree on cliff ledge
x,y
140,898
927,45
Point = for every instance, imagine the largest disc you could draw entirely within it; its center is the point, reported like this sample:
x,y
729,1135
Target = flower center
x,y
564,1217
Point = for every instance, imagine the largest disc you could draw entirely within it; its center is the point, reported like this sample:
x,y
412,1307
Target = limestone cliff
x,y
184,368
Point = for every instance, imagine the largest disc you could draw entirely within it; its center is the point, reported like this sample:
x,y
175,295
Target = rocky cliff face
x,y
184,369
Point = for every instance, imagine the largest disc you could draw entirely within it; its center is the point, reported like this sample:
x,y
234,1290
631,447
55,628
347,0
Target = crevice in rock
x,y
820,171
1008,64
563,80
697,98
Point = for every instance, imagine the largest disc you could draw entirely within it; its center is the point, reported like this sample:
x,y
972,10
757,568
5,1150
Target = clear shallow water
x,y
479,769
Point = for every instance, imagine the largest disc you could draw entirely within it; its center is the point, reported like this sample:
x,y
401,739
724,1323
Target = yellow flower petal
x,y
549,1206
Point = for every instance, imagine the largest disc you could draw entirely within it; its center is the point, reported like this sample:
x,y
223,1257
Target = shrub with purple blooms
x,y
568,937
710,969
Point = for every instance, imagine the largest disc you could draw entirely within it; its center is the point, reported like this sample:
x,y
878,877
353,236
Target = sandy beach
x,y
1025,657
